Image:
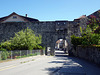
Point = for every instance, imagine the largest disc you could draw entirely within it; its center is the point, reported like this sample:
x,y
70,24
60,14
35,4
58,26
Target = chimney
x,y
26,15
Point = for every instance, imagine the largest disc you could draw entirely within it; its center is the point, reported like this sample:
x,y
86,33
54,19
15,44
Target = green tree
x,y
23,40
91,35
93,22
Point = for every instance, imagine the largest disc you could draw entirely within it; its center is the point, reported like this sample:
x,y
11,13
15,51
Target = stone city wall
x,y
89,53
48,29
51,31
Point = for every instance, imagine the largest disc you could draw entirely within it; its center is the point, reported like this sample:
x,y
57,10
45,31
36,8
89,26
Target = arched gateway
x,y
51,31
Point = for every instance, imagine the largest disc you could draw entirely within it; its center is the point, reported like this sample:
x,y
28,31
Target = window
x,y
14,17
58,23
64,23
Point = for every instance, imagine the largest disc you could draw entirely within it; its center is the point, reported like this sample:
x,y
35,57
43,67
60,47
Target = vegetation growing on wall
x,y
91,35
23,40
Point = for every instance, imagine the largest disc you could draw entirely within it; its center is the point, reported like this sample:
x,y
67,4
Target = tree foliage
x,y
93,22
23,40
89,37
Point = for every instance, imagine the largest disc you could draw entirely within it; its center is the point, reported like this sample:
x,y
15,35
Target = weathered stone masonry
x,y
51,31
88,53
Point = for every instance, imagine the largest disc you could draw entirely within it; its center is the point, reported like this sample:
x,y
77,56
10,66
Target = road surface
x,y
61,64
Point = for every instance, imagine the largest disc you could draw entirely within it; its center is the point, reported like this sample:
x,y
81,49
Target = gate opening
x,y
61,45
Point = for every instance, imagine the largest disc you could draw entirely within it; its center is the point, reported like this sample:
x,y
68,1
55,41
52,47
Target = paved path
x,y
76,66
60,64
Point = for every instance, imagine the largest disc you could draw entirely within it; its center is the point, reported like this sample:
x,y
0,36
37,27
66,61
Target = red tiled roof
x,y
83,16
58,41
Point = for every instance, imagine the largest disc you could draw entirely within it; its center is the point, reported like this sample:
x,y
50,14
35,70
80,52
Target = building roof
x,y
58,41
24,17
83,16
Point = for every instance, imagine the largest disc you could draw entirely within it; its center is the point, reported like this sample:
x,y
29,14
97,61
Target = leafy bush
x,y
4,55
94,39
89,39
38,47
76,40
96,45
6,45
2,49
93,22
91,35
23,40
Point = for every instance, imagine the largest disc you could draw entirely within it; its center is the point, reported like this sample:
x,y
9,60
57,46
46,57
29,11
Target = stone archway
x,y
62,45
50,31
60,32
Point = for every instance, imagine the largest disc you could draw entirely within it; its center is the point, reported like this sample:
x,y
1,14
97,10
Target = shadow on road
x,y
72,66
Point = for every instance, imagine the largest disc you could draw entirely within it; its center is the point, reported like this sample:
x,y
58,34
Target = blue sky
x,y
49,10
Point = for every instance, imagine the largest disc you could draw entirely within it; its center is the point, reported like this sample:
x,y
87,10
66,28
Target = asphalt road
x,y
60,64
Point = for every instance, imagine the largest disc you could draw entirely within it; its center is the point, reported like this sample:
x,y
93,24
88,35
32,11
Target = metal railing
x,y
4,55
